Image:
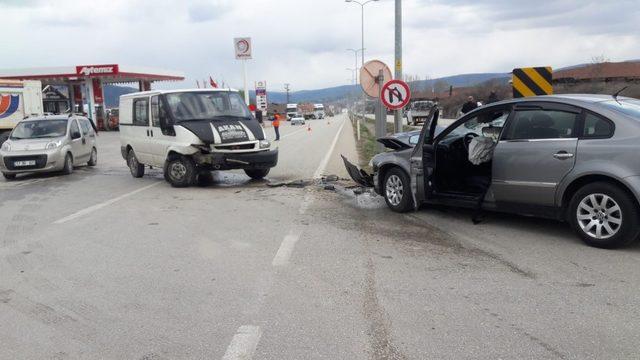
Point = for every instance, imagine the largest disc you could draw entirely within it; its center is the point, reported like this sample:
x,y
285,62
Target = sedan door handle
x,y
562,155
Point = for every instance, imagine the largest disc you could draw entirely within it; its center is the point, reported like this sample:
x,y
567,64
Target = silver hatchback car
x,y
568,157
49,143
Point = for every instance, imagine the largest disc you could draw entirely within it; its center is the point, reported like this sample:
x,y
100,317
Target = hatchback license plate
x,y
24,163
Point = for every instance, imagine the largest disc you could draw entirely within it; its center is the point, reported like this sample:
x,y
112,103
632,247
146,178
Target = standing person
x,y
276,125
493,97
469,105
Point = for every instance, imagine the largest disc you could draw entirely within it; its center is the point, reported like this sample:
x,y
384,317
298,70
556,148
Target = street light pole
x,y
286,88
364,100
397,121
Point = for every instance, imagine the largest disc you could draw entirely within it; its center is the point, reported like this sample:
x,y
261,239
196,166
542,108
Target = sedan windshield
x,y
213,105
35,129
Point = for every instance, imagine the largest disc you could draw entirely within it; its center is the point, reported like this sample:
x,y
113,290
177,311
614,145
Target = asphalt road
x,y
101,265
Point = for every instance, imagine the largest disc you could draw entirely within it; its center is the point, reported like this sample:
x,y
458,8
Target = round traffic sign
x,y
369,76
395,94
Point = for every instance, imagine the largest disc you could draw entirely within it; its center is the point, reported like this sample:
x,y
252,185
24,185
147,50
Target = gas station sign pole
x,y
243,50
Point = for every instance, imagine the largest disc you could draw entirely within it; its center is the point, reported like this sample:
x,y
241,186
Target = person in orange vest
x,y
276,125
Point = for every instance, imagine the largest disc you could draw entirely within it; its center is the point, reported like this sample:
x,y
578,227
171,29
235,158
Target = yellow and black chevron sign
x,y
532,81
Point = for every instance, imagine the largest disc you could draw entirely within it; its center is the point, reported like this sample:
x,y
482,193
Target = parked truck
x,y
420,112
18,100
292,110
318,111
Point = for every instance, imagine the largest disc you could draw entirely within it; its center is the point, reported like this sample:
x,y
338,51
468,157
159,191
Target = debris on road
x,y
293,183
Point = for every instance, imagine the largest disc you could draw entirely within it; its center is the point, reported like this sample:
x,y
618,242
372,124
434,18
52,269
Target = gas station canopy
x,y
85,83
107,73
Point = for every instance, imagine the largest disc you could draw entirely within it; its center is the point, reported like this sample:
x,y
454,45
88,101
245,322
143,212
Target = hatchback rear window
x,y
626,106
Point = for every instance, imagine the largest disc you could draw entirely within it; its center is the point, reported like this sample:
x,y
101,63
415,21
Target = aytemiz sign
x,y
96,70
242,47
395,94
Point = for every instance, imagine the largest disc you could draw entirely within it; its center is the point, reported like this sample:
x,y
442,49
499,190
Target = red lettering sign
x,y
96,70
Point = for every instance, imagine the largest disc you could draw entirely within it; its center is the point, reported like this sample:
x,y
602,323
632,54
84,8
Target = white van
x,y
191,132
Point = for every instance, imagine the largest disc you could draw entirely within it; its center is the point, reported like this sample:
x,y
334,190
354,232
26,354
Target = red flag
x,y
213,83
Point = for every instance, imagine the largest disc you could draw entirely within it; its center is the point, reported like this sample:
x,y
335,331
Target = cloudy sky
x,y
303,42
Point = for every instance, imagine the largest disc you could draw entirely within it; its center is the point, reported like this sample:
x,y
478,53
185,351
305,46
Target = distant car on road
x,y
567,157
297,120
49,143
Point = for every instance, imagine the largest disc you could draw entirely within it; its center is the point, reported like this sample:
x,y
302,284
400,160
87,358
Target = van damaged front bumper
x,y
265,159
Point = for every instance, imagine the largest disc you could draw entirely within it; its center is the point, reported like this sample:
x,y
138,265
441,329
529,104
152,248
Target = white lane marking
x,y
286,249
244,343
19,183
293,133
93,208
323,164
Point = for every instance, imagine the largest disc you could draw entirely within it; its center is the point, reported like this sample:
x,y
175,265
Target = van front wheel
x,y
180,171
257,174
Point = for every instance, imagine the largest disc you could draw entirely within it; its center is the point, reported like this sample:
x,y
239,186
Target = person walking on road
x,y
469,105
276,125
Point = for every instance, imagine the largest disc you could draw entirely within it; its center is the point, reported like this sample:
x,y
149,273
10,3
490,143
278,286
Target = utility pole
x,y
286,88
397,121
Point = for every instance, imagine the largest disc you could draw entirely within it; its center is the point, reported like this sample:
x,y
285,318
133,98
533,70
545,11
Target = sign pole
x,y
381,116
246,88
398,75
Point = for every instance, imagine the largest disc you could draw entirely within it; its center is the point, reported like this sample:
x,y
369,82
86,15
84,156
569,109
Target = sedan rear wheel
x,y
604,215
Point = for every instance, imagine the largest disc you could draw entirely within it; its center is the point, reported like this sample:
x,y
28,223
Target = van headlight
x,y
53,145
6,146
265,144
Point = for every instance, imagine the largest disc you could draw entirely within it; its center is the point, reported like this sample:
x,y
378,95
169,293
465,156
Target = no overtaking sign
x,y
395,94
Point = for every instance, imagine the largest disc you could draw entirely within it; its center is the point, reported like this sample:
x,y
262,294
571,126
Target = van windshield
x,y
36,129
198,105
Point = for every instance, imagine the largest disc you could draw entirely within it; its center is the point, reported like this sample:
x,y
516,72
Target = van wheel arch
x,y
580,182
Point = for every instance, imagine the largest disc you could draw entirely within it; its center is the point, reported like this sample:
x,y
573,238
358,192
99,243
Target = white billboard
x,y
242,47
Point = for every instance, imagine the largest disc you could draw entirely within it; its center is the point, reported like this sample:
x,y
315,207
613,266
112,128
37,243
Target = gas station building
x,y
85,83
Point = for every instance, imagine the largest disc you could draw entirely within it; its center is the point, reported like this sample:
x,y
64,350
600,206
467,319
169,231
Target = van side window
x,y
84,124
596,127
141,112
542,124
157,110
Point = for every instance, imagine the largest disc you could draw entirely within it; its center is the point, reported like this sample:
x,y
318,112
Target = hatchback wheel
x,y
397,190
68,165
136,169
604,215
93,159
180,171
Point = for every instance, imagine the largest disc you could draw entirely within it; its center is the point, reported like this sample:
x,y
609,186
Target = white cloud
x,y
303,42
